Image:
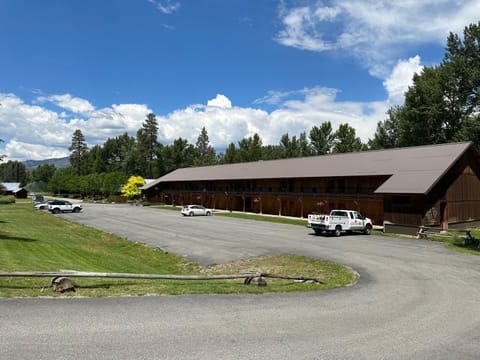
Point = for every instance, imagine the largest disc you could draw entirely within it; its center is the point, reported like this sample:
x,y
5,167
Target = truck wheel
x,y
368,230
76,210
56,211
338,230
318,231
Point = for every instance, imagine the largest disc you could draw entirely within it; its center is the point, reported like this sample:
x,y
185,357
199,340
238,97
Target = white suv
x,y
58,206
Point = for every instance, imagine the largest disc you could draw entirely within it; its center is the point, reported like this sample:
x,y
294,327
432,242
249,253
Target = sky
x,y
235,67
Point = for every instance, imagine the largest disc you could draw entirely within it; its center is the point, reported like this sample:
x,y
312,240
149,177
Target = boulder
x,y
62,284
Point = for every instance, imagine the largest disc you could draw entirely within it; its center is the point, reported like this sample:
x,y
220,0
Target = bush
x,y
5,200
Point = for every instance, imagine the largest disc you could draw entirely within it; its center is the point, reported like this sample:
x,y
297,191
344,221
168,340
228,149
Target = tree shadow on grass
x,y
16,238
96,286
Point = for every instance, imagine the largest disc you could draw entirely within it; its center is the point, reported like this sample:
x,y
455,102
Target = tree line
x,y
442,105
93,170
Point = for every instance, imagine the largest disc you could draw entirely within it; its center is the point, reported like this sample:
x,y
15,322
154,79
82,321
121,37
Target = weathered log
x,y
123,275
72,273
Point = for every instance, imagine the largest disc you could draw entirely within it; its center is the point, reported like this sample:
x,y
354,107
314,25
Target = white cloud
x,y
166,6
377,32
300,30
401,78
27,151
220,101
68,102
35,132
231,124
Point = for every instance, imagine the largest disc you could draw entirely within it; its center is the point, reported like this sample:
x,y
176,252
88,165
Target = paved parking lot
x,y
415,300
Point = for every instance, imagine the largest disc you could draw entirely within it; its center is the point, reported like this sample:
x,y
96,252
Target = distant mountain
x,y
59,163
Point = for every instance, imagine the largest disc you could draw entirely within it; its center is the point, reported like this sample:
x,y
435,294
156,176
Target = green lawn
x,y
32,240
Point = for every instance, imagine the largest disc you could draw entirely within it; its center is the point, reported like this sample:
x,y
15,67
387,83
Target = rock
x,y
61,284
258,280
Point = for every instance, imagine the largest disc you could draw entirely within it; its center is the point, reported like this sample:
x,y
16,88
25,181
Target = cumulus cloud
x,y
27,151
31,131
34,132
220,101
401,78
310,108
375,32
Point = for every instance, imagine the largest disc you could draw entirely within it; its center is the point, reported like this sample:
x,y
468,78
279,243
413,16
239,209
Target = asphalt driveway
x,y
415,300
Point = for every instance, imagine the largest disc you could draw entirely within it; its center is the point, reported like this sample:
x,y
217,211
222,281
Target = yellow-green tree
x,y
132,189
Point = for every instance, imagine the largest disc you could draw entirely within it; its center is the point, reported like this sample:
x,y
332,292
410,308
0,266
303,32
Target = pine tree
x,y
147,145
205,152
79,153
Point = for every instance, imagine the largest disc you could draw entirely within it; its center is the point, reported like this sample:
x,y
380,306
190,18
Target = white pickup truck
x,y
340,221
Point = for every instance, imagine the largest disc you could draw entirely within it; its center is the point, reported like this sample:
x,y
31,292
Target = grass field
x,y
32,240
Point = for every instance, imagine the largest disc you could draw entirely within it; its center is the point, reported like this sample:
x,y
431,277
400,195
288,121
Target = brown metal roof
x,y
412,170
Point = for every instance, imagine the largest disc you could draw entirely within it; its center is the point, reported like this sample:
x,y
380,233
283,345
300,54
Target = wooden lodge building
x,y
434,185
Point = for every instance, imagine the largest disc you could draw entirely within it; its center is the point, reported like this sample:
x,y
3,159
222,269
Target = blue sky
x,y
235,67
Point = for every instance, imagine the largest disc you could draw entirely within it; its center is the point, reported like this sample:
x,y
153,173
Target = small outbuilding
x,y
13,188
435,185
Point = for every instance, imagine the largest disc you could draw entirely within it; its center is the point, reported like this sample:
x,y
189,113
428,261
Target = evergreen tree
x,y
321,139
304,147
249,149
288,146
79,153
147,146
346,140
13,171
119,154
231,155
178,155
205,152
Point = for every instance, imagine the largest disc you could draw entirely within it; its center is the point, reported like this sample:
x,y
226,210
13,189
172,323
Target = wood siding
x,y
286,197
463,198
454,198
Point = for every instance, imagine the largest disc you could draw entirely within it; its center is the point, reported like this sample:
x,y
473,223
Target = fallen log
x,y
84,274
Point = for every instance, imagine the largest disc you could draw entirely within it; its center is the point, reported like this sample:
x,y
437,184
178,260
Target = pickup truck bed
x,y
339,221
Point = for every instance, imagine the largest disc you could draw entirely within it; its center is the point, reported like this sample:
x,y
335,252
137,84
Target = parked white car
x,y
193,210
42,205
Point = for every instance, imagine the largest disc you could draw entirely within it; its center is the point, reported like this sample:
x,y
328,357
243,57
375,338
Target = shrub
x,y
5,200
